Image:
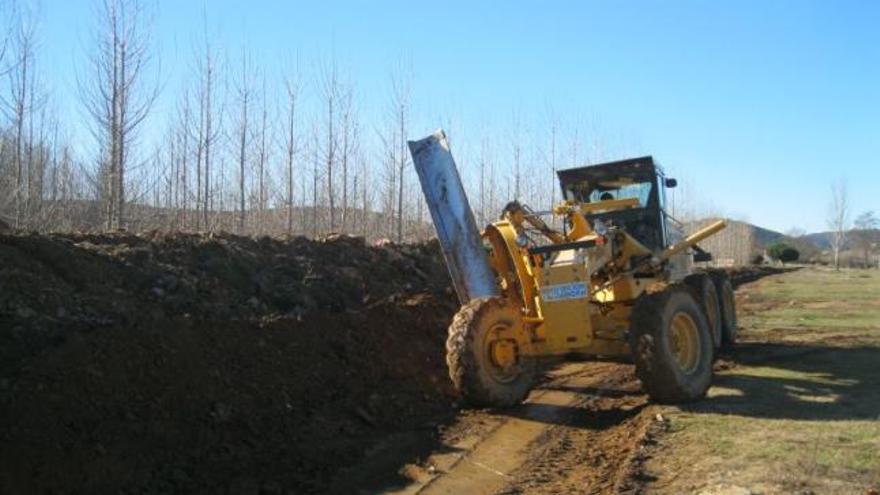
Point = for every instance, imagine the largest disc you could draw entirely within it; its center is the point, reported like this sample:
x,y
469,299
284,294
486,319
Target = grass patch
x,y
846,287
828,318
800,410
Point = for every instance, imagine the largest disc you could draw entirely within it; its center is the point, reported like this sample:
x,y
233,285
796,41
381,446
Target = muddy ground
x,y
223,364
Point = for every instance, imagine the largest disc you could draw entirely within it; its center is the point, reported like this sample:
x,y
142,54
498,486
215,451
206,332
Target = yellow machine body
x,y
567,307
591,288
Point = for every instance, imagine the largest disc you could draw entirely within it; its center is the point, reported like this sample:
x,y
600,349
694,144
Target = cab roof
x,y
635,166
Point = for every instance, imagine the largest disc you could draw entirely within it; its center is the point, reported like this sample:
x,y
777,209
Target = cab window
x,y
611,190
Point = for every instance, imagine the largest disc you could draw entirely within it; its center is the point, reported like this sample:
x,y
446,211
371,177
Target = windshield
x,y
620,188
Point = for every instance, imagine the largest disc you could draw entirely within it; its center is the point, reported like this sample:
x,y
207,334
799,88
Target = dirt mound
x,y
190,363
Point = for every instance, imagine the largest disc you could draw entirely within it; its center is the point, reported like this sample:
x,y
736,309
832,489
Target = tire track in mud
x,y
577,433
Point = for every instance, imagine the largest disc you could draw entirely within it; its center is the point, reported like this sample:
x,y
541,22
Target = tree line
x,y
246,148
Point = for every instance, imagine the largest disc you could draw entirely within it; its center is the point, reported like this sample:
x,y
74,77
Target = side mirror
x,y
670,183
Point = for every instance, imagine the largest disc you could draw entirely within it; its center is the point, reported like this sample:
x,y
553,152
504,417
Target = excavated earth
x,y
186,363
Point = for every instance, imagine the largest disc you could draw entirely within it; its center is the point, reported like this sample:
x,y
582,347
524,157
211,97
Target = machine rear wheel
x,y
671,345
707,296
484,352
727,304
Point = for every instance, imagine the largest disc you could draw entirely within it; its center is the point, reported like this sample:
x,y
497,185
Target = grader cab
x,y
617,281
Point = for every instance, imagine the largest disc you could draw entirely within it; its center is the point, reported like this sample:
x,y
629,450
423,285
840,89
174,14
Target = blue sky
x,y
756,105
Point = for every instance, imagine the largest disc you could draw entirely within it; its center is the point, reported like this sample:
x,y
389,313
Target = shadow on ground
x,y
799,382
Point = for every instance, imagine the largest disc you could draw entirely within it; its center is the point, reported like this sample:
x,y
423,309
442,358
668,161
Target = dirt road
x,y
579,432
584,430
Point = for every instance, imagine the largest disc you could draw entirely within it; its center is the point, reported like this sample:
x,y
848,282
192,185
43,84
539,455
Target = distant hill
x,y
742,242
760,236
764,237
822,240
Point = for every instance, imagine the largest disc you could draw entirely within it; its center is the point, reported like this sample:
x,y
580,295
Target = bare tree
x,y
208,132
366,196
316,172
244,94
347,147
25,100
516,152
291,85
552,154
401,92
183,145
865,234
330,92
118,98
484,164
387,158
838,219
263,159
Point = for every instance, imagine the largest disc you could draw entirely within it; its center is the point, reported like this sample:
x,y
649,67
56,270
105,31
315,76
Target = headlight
x,y
600,228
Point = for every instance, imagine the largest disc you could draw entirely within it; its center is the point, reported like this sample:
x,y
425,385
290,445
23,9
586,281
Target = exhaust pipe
x,y
453,219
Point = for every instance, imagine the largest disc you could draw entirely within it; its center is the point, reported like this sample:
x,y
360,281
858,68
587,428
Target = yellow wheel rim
x,y
684,342
502,355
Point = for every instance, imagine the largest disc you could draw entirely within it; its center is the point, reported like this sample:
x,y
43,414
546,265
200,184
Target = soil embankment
x,y
188,363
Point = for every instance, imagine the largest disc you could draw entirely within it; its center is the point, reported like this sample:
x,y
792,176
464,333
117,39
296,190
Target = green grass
x,y
829,318
821,285
800,410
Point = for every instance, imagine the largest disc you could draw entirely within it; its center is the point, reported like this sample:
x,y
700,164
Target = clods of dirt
x,y
192,363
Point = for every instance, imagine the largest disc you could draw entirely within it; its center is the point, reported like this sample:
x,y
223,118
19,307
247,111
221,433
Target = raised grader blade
x,y
619,281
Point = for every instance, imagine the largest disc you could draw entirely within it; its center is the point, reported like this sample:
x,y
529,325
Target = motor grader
x,y
615,281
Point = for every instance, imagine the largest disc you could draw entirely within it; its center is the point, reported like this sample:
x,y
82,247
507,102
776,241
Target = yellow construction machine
x,y
616,281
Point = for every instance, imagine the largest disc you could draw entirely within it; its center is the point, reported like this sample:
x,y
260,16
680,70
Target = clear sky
x,y
758,105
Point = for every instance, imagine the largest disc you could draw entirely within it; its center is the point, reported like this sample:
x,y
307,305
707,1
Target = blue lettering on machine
x,y
563,292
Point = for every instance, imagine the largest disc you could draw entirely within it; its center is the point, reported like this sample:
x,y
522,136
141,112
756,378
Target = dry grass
x,y
799,411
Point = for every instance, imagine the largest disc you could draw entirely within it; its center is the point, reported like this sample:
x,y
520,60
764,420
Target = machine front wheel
x,y
485,354
671,345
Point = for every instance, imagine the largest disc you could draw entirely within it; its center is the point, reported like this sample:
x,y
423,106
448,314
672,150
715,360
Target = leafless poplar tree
x,y
316,172
575,145
330,92
388,158
182,154
263,159
291,86
118,98
401,92
208,131
25,101
516,155
483,161
551,156
347,148
838,219
865,234
244,94
366,196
